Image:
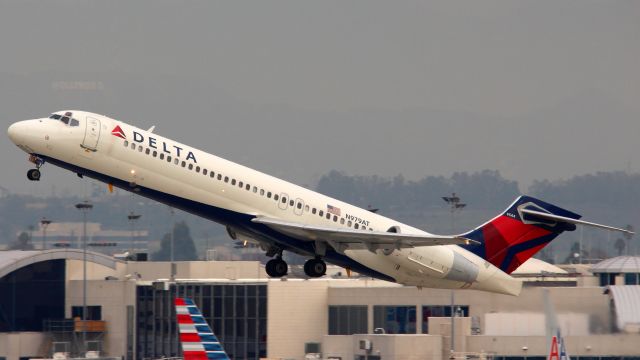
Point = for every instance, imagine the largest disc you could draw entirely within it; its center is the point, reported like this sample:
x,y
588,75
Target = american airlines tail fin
x,y
517,234
197,339
557,349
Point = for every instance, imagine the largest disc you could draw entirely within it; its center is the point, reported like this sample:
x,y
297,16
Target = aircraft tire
x,y
33,175
315,268
276,268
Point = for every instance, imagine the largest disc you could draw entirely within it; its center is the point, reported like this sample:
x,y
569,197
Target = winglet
x,y
151,129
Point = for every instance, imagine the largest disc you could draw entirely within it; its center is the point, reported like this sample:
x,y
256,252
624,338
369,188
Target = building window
x,y
93,312
631,279
441,311
607,279
395,319
347,319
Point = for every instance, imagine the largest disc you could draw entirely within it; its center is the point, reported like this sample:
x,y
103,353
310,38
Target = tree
x,y
22,243
183,247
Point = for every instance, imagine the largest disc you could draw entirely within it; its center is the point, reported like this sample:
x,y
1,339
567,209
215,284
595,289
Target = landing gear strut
x,y
34,174
315,267
277,267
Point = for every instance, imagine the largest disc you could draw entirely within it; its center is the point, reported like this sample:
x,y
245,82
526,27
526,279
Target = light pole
x,y
84,206
44,223
171,238
133,217
454,206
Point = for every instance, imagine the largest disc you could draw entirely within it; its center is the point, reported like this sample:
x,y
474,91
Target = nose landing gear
x,y
34,174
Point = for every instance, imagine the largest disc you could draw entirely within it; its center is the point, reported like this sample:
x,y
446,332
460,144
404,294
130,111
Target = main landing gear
x,y
34,174
277,267
315,267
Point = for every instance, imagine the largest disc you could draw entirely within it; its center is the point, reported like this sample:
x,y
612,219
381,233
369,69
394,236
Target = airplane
x,y
196,337
280,216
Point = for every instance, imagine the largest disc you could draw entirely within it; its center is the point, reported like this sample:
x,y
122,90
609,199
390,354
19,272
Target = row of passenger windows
x,y
283,199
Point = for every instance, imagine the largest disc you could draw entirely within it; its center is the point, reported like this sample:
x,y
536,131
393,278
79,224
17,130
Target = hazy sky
x,y
535,89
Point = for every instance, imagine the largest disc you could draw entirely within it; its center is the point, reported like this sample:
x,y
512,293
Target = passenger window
x,y
75,122
133,146
248,187
147,151
299,206
261,192
161,156
328,216
168,158
284,200
341,221
226,179
233,181
306,208
219,176
176,161
140,148
155,153
269,195
357,226
240,184
349,223
320,213
290,202
126,143
184,163
204,171
335,218
212,174
313,211
275,197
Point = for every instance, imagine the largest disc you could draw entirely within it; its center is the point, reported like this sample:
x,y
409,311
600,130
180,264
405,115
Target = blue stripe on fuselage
x,y
225,217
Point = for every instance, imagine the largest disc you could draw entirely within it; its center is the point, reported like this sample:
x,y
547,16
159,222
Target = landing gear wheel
x,y
33,175
315,267
277,268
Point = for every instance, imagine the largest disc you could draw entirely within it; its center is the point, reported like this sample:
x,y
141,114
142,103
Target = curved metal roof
x,y
15,259
618,264
627,304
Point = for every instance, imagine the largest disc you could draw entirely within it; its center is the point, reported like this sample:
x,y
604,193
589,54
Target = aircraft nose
x,y
17,131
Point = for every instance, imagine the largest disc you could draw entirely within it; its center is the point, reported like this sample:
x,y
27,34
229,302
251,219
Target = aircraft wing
x,y
341,238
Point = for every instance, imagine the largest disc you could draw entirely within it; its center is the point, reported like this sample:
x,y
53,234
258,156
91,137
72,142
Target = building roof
x,y
618,264
627,304
15,259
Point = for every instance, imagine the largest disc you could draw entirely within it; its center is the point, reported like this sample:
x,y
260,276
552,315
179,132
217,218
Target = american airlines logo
x,y
117,131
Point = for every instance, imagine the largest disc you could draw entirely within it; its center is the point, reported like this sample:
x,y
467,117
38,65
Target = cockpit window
x,y
55,116
65,119
74,122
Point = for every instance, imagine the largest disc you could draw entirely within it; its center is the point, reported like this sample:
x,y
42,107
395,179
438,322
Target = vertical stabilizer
x,y
197,340
557,349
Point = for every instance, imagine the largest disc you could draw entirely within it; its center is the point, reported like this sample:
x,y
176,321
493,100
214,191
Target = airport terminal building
x,y
130,312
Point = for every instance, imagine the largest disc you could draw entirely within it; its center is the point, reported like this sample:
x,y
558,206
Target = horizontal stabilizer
x,y
572,221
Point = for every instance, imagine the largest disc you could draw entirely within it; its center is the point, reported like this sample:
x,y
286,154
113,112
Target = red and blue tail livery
x,y
197,339
526,227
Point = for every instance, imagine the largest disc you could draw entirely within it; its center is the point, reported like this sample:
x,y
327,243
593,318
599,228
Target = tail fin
x,y
526,227
197,339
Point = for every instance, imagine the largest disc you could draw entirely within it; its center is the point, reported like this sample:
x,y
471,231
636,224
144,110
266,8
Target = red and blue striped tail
x,y
513,237
197,339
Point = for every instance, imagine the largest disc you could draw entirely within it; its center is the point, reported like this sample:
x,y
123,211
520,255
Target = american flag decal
x,y
333,210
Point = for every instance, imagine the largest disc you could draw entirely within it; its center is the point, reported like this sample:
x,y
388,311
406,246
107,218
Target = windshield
x,y
67,119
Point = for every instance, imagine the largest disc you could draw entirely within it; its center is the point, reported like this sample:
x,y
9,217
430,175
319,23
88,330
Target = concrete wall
x,y
113,296
19,344
398,347
297,312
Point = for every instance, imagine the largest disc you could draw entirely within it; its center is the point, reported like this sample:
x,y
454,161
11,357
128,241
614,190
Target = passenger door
x,y
91,134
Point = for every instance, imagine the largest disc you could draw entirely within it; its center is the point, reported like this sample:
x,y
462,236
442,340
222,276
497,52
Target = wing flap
x,y
358,238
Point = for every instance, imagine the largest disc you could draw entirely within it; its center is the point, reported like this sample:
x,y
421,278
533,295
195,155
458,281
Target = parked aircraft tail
x,y
197,339
517,234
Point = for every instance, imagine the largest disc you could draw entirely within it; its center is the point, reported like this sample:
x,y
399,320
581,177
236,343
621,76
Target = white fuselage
x,y
180,175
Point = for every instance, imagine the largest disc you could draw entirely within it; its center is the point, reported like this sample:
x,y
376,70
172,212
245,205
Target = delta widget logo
x,y
117,131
